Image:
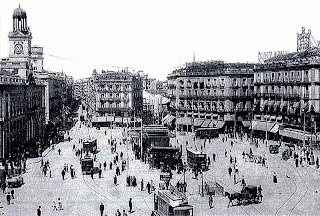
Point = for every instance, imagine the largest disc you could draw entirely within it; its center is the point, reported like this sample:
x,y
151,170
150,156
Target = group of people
x,y
118,213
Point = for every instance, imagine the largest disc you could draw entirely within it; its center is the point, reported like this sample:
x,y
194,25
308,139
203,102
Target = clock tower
x,y
20,43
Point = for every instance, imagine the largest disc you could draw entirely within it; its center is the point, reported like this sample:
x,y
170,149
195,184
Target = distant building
x,y
287,93
22,118
114,93
212,93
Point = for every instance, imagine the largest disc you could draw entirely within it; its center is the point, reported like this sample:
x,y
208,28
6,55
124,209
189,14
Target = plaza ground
x,y
296,193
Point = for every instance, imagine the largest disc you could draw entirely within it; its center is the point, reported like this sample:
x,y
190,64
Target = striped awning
x,y
275,128
262,125
220,124
197,122
206,123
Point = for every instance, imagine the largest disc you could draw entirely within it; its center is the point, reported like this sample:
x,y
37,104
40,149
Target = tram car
x,y
274,149
197,159
90,146
171,203
86,164
203,133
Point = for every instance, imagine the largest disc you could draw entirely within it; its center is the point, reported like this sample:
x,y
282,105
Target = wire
x,y
77,60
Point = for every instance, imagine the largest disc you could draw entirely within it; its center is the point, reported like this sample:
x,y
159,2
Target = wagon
x,y
249,194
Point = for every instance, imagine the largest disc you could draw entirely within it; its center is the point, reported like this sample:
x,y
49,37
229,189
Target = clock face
x,y
18,49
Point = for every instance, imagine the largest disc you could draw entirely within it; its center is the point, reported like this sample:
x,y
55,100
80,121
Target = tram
x,y
197,159
90,146
203,133
86,164
172,204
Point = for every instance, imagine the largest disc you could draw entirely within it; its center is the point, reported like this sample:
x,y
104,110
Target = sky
x,y
157,36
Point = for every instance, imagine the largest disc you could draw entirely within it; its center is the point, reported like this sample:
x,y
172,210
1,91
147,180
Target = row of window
x,y
302,76
216,81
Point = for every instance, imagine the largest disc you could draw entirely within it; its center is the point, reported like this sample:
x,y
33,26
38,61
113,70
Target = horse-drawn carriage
x,y
248,194
254,158
287,153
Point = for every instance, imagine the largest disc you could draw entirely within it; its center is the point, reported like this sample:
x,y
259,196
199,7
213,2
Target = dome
x,y
19,13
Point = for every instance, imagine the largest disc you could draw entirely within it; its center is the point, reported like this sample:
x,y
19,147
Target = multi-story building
x,y
287,92
22,118
114,93
212,93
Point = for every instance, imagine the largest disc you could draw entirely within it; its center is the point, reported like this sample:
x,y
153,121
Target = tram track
x,y
101,193
296,174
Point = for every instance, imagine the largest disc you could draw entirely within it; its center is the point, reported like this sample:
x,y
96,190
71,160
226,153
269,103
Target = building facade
x,y
206,93
112,93
22,118
287,92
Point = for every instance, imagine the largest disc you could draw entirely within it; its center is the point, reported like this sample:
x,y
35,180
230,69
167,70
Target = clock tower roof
x,y
19,13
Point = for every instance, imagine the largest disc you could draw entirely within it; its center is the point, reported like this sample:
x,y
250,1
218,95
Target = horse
x,y
233,196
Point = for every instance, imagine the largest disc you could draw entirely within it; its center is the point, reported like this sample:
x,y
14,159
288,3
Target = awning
x,y
275,128
305,105
266,116
279,118
277,103
99,119
283,104
183,208
296,134
262,125
246,124
154,149
184,121
296,105
168,120
271,103
272,118
198,122
215,115
211,125
220,124
110,118
166,117
206,123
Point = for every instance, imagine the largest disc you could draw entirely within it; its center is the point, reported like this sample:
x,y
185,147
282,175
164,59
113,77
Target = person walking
x,y
124,213
115,180
148,187
214,156
59,151
39,211
63,173
260,193
101,209
210,201
8,198
142,185
91,173
12,194
130,205
105,165
100,172
275,180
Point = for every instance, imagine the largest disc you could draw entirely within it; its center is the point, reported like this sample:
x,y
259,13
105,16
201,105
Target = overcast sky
x,y
157,36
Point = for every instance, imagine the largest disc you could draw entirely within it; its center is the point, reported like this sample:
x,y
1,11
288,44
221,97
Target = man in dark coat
x,y
101,209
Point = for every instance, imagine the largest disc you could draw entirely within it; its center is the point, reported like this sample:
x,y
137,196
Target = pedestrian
x,y
59,151
210,201
297,162
100,172
105,165
275,180
50,173
8,198
124,213
214,156
243,182
110,165
260,193
148,187
63,174
118,213
91,173
142,185
230,171
101,209
115,180
12,194
54,206
39,211
225,152
130,205
59,204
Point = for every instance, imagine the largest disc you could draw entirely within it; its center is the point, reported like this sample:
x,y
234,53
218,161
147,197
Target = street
x,y
295,193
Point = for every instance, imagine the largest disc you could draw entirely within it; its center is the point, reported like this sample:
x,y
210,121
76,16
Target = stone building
x,y
117,94
22,118
287,93
212,93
